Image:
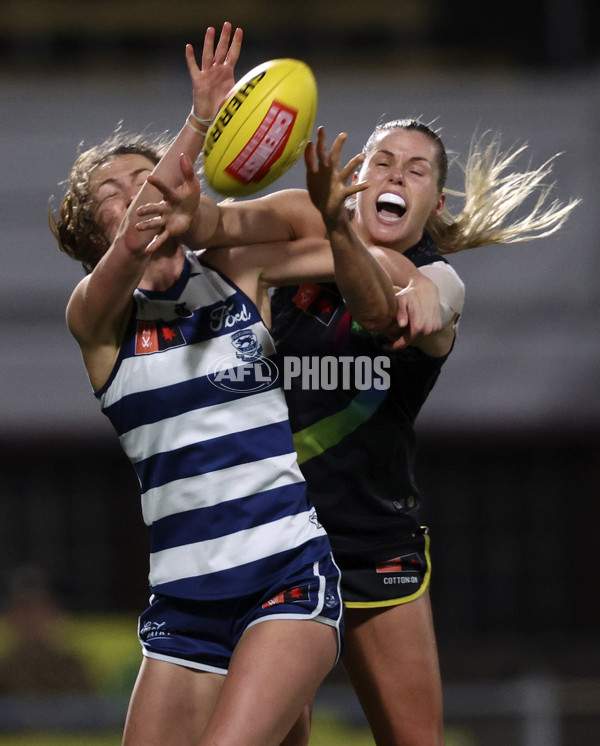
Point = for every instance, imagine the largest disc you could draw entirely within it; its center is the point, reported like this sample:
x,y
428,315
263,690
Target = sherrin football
x,y
262,128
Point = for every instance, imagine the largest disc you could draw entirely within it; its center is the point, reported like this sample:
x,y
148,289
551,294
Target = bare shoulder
x,y
74,311
98,341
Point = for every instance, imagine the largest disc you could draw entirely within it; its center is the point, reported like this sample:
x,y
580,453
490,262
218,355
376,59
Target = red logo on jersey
x,y
305,296
154,336
316,301
146,338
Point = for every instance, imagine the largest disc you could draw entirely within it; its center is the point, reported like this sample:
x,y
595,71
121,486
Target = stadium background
x,y
508,461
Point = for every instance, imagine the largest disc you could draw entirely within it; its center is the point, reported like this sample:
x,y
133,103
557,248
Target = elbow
x,y
379,316
375,323
369,323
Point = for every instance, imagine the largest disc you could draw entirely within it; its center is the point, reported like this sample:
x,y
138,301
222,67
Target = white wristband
x,y
192,126
201,122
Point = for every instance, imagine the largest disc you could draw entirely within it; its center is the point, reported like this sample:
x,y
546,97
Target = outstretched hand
x,y
214,79
326,181
173,215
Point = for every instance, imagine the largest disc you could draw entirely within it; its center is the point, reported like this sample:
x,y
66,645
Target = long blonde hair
x,y
492,193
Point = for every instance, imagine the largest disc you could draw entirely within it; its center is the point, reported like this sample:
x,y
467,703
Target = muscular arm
x,y
99,307
368,276
284,236
434,297
281,216
421,314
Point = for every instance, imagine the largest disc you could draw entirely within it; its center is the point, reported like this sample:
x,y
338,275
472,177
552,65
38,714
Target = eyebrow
x,y
133,174
412,158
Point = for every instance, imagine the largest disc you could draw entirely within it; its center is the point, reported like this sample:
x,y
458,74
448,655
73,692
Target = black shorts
x,y
387,577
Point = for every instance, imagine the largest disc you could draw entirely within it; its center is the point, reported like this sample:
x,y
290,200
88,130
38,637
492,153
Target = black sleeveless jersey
x,y
352,408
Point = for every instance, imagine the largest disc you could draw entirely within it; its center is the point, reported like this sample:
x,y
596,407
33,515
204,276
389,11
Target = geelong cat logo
x,y
245,370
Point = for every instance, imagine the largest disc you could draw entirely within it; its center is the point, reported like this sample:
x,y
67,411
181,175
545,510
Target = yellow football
x,y
262,128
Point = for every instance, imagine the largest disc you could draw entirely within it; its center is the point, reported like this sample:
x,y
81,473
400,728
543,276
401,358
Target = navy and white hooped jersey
x,y
196,400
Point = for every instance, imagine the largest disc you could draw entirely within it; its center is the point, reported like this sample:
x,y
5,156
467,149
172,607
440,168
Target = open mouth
x,y
390,206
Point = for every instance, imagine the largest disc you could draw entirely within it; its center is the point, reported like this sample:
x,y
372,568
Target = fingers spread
x,y
309,157
222,45
352,166
164,188
190,59
208,48
336,148
235,48
321,148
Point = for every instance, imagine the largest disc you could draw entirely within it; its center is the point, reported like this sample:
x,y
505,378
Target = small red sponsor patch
x,y
265,146
155,336
316,301
146,338
400,564
289,596
305,295
168,333
393,565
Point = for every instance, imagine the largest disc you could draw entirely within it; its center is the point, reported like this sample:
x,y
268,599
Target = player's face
x,y
113,186
402,195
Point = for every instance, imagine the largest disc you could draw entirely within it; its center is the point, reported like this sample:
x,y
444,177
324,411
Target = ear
x,y
439,205
355,177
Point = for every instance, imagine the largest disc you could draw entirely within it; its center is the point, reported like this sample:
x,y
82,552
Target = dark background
x,y
508,459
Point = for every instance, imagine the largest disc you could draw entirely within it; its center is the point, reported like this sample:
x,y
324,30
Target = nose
x,y
397,175
131,195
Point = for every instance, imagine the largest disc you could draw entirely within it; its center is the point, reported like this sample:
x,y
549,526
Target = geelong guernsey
x,y
196,400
